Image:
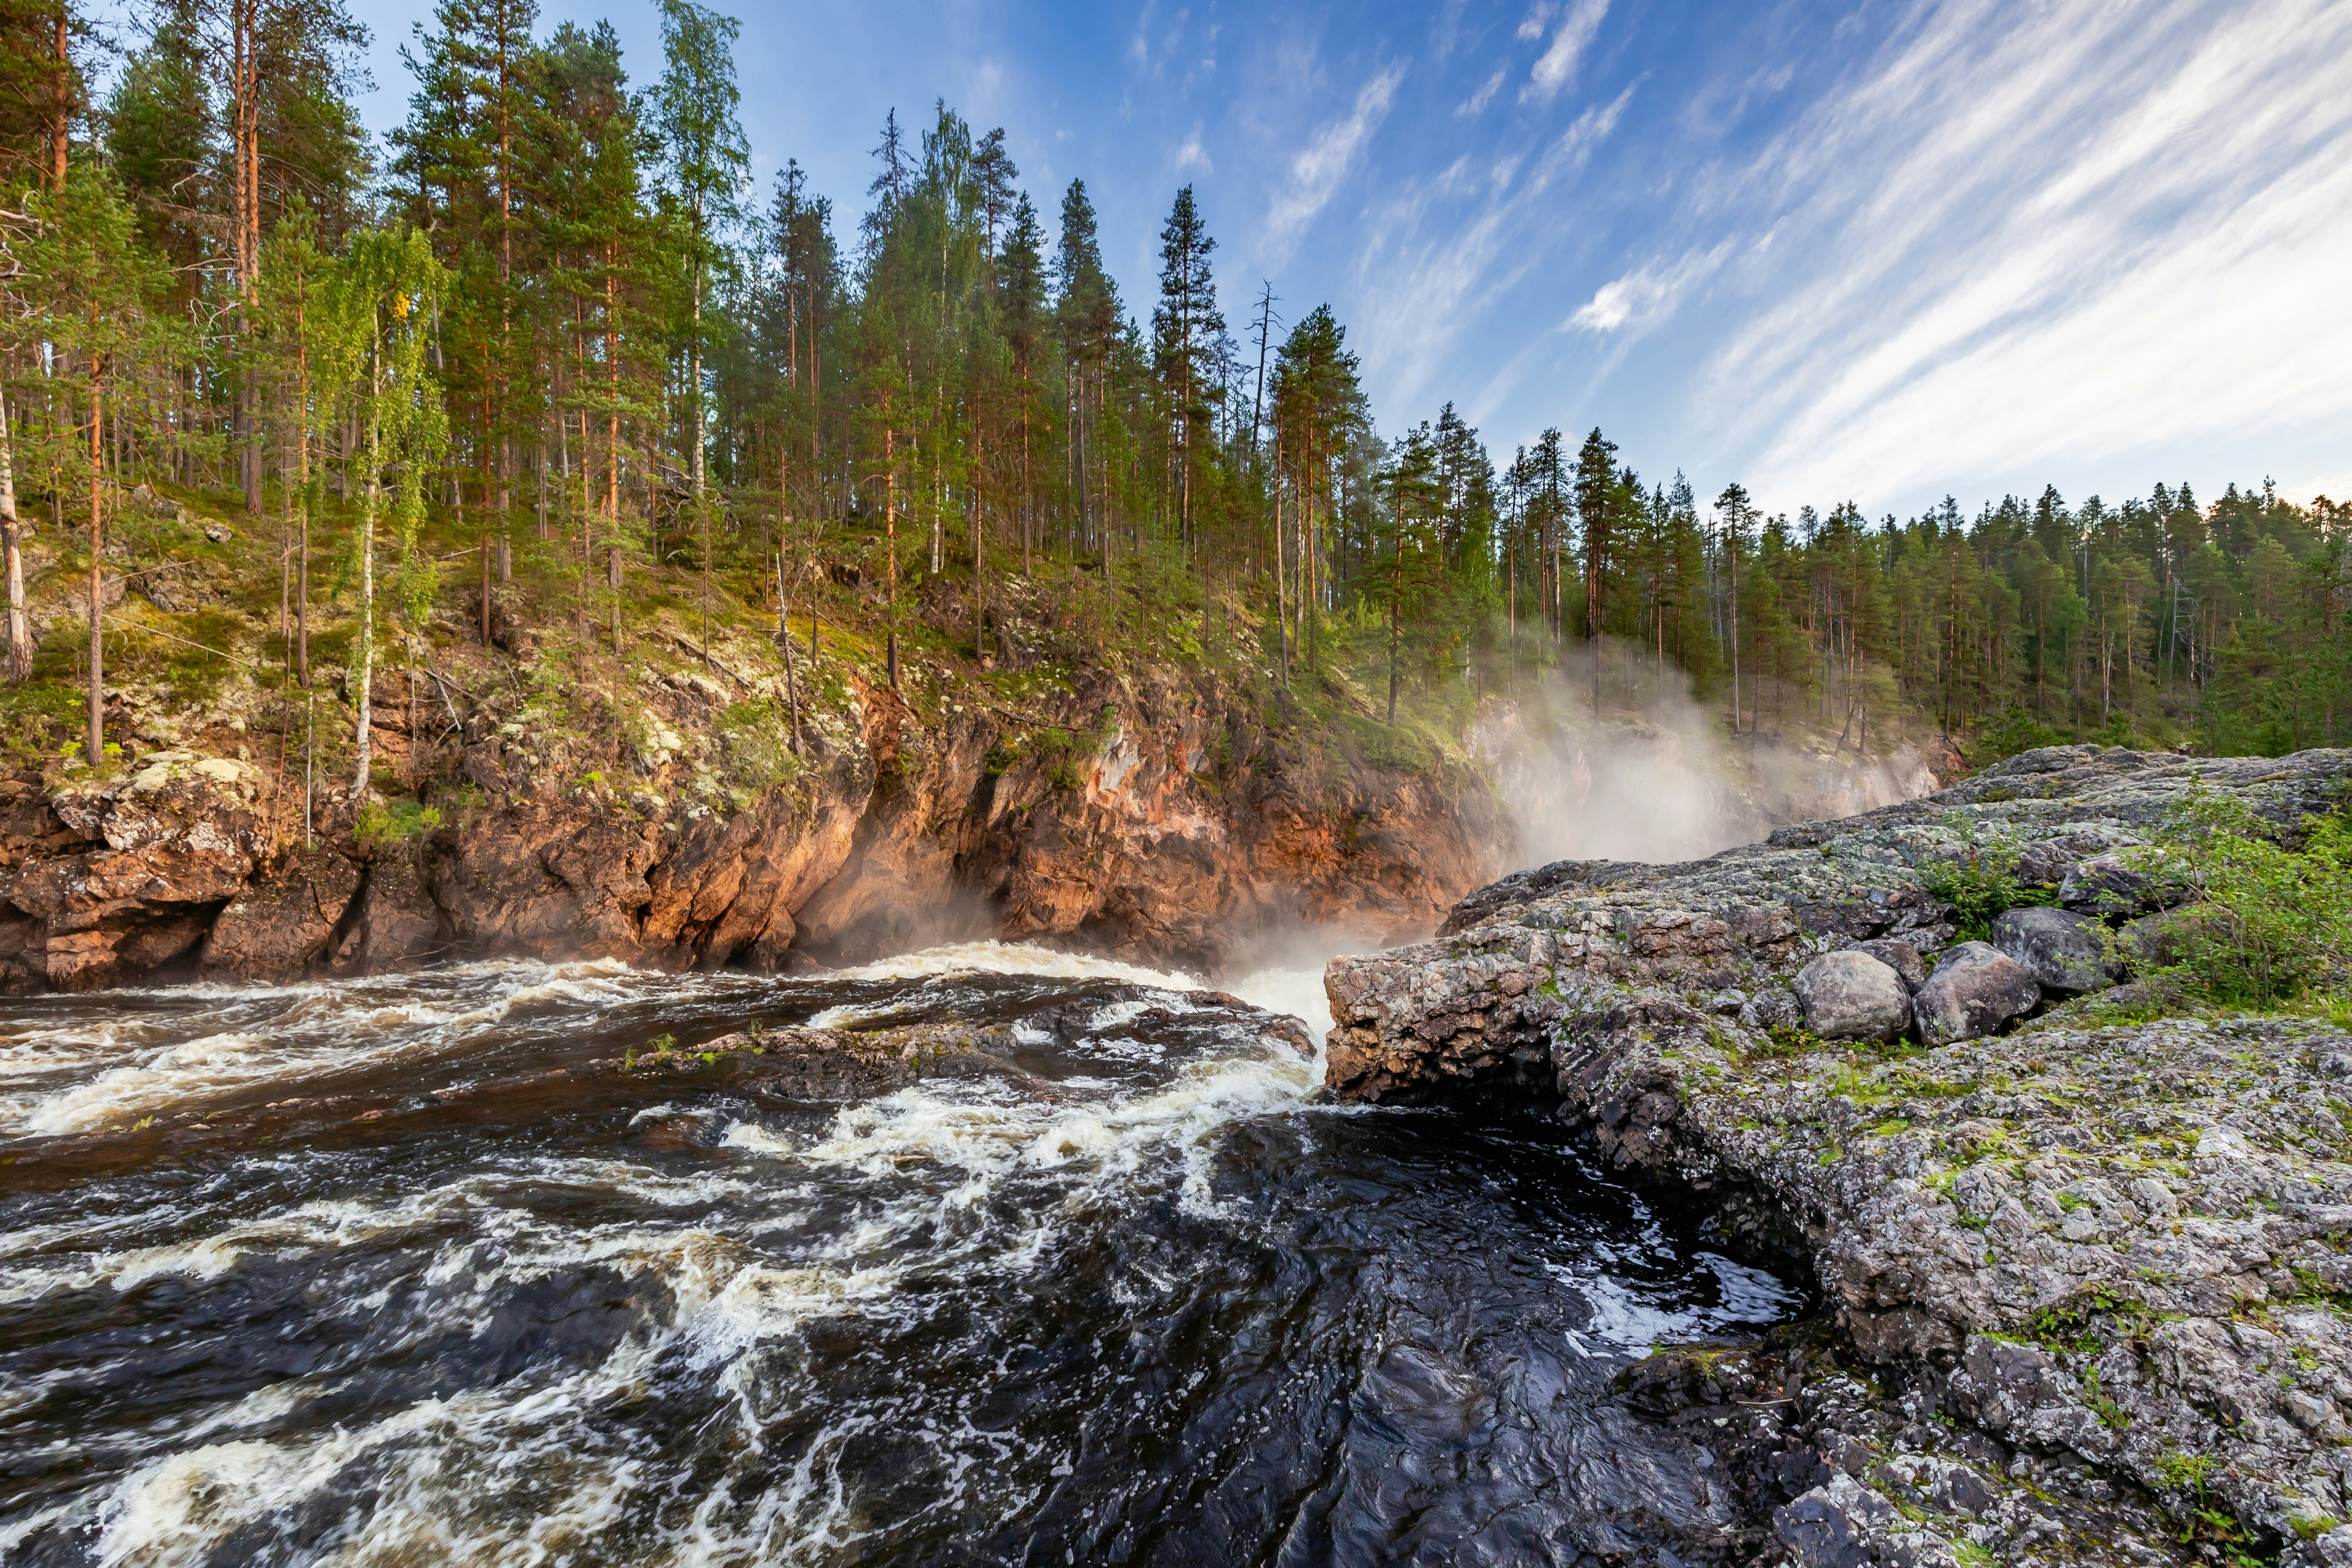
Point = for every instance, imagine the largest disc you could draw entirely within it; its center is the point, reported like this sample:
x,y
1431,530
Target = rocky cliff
x,y
2089,1274
665,820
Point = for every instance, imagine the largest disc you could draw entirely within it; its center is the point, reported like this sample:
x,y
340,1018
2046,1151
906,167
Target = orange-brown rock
x,y
1160,818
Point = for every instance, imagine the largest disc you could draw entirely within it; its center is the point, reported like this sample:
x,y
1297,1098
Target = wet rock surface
x,y
2088,1278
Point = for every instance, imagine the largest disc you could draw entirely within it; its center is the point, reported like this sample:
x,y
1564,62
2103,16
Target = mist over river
x,y
1144,1301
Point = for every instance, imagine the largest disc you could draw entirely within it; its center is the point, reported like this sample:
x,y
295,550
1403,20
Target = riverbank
x,y
680,790
2086,1266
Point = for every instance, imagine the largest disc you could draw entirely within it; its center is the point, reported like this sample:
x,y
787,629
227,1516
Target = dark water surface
x,y
1161,1311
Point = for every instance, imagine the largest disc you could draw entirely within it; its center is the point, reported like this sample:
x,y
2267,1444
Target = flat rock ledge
x,y
2090,1279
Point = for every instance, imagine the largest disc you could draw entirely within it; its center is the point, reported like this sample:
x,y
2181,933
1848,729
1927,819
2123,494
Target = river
x,y
1152,1302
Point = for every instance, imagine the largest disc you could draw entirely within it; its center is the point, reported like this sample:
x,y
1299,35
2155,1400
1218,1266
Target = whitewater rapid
x,y
1146,1299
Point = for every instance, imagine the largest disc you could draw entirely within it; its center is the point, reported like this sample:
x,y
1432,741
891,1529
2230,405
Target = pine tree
x,y
1186,328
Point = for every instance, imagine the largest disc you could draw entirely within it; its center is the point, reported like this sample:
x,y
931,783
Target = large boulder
x,y
1903,957
2067,954
1851,996
1975,990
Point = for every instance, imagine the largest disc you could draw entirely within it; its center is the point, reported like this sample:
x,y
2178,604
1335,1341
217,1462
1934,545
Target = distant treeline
x,y
553,317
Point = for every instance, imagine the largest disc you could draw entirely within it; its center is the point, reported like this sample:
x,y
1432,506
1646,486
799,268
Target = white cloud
x,y
1591,128
1452,244
1315,173
1193,155
2045,238
1531,26
1642,295
1478,101
1556,65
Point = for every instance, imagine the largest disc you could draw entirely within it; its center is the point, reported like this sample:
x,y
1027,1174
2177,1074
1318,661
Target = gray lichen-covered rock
x,y
2103,1270
2067,954
2111,1257
2121,882
1903,957
1481,998
1851,996
1835,1525
1975,989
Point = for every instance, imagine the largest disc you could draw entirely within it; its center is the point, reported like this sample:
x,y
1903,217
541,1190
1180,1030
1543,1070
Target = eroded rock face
x,y
1153,818
1853,995
2067,954
110,885
278,923
1974,989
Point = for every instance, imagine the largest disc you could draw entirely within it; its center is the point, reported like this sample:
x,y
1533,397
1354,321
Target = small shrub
x,y
384,826
2267,925
2015,730
1980,887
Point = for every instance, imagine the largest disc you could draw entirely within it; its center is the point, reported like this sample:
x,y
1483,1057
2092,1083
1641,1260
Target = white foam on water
x,y
1013,958
530,1470
990,1133
275,1035
442,1476
1297,992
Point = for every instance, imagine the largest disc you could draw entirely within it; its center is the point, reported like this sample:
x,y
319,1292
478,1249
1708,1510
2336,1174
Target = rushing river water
x,y
1158,1306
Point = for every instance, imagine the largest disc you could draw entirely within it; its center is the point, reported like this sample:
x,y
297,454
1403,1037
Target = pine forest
x,y
546,359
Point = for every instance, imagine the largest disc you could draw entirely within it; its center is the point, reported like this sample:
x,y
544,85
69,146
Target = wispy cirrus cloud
x,y
1315,174
2038,240
1556,67
1641,295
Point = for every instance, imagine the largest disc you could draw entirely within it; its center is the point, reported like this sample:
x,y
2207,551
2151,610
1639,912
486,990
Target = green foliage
x,y
759,742
2268,925
1980,886
384,826
659,398
1068,755
2014,731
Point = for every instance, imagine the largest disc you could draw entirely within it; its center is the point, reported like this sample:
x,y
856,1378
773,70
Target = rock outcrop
x,y
2097,1270
1480,1002
1162,818
1974,989
1853,996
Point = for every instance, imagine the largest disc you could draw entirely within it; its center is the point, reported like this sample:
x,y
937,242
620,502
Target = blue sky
x,y
1876,252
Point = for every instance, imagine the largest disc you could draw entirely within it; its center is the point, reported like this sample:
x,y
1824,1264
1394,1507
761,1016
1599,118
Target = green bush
x,y
2013,731
2266,925
381,826
1980,887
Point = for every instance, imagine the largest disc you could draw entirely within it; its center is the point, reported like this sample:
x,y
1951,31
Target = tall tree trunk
x,y
363,699
891,529
12,556
1281,579
96,753
1396,609
701,507
785,641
